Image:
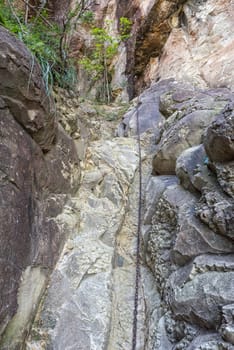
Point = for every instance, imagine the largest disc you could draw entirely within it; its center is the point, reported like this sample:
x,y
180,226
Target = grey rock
x,y
161,339
91,289
217,211
203,178
199,297
185,133
185,98
212,262
87,317
150,117
225,176
190,111
187,164
163,231
219,140
194,238
155,187
171,100
227,327
210,341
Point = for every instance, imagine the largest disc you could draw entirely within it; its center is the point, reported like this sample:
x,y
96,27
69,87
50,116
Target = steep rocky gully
x,y
69,177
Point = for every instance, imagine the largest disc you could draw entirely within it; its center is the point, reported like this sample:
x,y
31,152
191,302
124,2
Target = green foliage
x,y
8,20
43,39
105,46
98,62
87,17
93,67
125,26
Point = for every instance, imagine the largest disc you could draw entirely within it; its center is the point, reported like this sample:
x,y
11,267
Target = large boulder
x,y
196,293
147,107
219,140
189,111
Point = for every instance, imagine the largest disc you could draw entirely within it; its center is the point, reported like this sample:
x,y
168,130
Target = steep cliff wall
x,y
201,49
39,169
188,40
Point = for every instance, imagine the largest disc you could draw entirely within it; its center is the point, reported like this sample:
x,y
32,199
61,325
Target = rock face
x,y
200,46
136,61
189,243
39,168
187,267
153,22
188,111
85,241
191,41
90,299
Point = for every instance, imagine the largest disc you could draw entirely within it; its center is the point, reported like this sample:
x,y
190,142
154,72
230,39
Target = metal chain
x,y
138,271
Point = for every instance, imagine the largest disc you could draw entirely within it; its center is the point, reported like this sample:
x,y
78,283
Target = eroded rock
x,y
187,164
199,233
198,299
189,115
185,133
219,140
194,238
227,328
225,176
217,211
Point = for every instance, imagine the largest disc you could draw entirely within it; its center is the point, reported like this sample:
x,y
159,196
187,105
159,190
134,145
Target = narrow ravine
x,y
89,302
72,83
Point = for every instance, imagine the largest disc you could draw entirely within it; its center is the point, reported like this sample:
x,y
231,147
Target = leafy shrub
x,y
97,62
43,39
87,17
125,26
